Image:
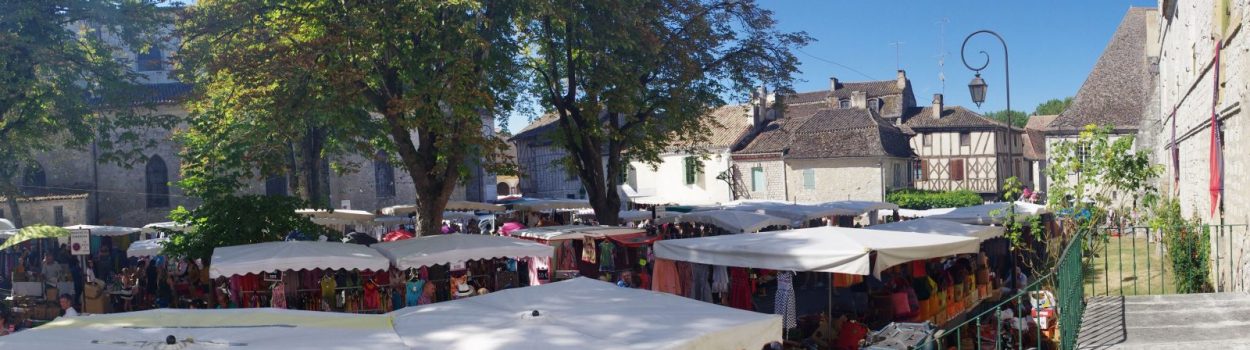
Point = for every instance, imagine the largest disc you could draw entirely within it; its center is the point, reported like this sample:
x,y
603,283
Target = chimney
x,y
759,106
859,99
779,106
902,79
937,106
833,84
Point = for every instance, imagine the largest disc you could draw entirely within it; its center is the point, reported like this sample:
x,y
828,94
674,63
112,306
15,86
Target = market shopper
x,y
67,305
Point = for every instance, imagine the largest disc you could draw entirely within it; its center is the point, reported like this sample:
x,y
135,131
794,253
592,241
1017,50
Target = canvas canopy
x,y
942,227
147,247
557,233
294,255
265,328
458,248
33,232
5,224
631,215
583,314
821,249
337,217
530,204
155,228
913,213
989,214
732,220
451,206
796,213
106,230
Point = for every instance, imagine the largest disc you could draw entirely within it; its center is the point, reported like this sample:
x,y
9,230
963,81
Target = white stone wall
x,y
667,182
43,211
542,172
842,179
1186,83
774,179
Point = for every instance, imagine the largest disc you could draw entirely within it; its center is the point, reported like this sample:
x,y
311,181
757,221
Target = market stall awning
x,y
821,249
631,215
33,232
147,247
989,214
337,217
533,204
557,233
634,240
5,224
265,328
457,248
860,207
106,230
169,226
732,220
942,227
913,213
294,255
796,213
451,206
583,314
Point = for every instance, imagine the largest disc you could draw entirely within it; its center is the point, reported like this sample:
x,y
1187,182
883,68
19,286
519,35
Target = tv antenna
x,y
941,56
897,54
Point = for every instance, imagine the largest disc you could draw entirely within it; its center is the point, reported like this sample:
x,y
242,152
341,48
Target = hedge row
x,y
923,199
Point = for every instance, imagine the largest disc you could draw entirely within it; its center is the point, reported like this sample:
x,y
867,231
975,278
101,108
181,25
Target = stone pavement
x,y
1178,321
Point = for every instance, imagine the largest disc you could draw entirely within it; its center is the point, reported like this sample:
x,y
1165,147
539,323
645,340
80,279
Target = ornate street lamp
x,y
977,87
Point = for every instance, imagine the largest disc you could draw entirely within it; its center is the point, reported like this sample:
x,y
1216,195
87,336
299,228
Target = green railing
x,y
1127,261
988,328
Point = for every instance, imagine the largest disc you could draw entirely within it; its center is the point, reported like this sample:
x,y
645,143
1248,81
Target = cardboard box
x,y
96,301
51,294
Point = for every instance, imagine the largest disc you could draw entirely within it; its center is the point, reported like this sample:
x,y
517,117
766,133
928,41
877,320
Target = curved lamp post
x,y
977,87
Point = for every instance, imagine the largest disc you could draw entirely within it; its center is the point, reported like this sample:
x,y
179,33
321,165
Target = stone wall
x,y
841,179
43,210
774,178
1186,84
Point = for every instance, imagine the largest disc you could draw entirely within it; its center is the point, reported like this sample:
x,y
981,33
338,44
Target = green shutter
x,y
809,179
690,170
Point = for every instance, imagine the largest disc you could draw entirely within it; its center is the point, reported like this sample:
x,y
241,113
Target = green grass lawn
x,y
1129,264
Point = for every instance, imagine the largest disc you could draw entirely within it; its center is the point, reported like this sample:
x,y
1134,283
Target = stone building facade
x,y
959,149
1193,85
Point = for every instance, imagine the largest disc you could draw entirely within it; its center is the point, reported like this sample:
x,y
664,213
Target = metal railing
x,y
1127,261
1011,323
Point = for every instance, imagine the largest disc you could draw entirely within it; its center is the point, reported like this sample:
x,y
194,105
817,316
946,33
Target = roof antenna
x,y
897,54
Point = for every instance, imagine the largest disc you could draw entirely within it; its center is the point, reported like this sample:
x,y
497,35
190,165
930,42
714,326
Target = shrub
x,y
1187,247
924,199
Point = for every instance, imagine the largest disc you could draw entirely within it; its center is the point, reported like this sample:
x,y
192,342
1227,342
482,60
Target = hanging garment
x,y
588,250
568,256
279,296
328,285
740,289
784,304
686,276
539,270
720,279
413,291
607,262
666,278
700,287
372,300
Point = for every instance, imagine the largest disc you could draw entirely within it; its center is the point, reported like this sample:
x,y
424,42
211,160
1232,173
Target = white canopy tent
x,y
821,249
457,248
942,227
530,204
153,229
582,314
147,247
860,207
557,233
5,224
105,230
732,220
989,214
796,213
451,206
294,255
912,213
631,215
265,328
338,216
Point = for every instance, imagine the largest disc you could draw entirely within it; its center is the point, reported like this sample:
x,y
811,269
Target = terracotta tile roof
x,y
729,123
1116,91
539,126
953,117
1035,136
887,90
830,133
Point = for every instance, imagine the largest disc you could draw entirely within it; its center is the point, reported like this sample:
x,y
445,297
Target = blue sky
x,y
1053,45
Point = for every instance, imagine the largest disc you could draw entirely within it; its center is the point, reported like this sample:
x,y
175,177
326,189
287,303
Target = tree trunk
x,y
433,182
311,173
15,210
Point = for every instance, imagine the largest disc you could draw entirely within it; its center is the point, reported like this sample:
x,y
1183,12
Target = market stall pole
x,y
583,314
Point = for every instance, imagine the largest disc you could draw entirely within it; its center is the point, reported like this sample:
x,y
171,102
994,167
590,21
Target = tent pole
x,y
830,289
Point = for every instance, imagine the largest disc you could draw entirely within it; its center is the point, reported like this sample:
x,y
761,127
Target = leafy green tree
x,y
631,78
62,84
433,73
1053,106
1018,118
234,220
1096,179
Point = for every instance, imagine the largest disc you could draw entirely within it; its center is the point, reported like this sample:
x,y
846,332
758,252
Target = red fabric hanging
x,y
1216,156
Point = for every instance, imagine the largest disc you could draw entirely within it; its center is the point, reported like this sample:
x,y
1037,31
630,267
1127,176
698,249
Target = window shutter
x,y
690,170
924,170
957,169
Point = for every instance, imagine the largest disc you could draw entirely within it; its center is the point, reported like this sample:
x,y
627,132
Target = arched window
x,y
275,185
502,189
844,103
34,176
157,179
150,60
383,176
874,104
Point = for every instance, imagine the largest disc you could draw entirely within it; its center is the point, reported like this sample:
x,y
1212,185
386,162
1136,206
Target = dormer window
x,y
874,104
844,103
150,60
